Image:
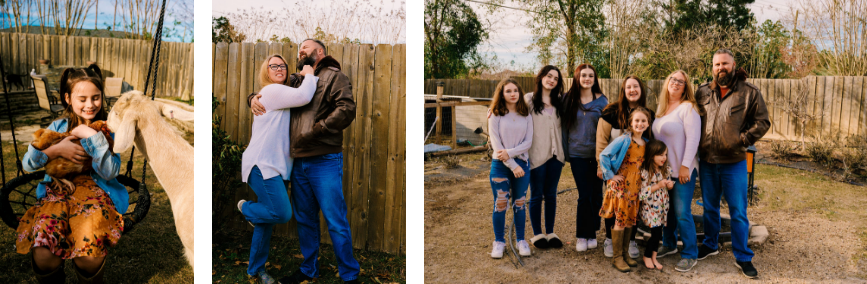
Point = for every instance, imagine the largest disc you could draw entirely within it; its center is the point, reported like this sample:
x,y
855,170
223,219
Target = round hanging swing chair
x,y
19,194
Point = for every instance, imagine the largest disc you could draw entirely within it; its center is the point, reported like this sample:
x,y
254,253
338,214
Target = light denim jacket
x,y
611,158
106,166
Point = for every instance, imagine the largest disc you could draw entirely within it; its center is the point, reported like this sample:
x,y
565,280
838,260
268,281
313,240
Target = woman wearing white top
x,y
678,125
266,164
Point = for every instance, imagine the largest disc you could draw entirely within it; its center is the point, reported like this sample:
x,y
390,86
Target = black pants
x,y
589,197
653,243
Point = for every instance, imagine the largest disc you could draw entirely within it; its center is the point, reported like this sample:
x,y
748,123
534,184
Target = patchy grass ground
x,y
151,253
818,233
230,255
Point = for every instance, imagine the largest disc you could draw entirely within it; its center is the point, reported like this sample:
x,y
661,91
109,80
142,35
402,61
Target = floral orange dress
x,y
70,225
621,200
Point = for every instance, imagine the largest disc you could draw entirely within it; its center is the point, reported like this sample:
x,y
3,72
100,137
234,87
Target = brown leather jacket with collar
x,y
732,123
317,127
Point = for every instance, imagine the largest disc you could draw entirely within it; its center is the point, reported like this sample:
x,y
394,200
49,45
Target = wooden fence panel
x,y
220,80
233,87
359,213
395,184
862,115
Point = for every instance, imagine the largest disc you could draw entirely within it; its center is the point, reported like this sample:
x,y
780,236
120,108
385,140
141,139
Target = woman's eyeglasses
x,y
676,82
278,67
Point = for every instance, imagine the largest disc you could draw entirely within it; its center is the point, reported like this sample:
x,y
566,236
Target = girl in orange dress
x,y
624,157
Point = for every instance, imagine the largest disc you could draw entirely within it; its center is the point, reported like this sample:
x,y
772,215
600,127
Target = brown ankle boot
x,y
96,278
617,244
51,277
629,261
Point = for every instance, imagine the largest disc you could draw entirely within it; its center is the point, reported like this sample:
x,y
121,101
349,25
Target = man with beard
x,y
316,141
735,118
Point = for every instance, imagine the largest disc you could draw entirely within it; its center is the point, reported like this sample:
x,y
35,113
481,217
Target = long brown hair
x,y
654,148
621,106
538,105
68,79
572,98
498,105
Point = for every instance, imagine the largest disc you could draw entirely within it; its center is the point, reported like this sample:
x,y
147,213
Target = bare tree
x,y
625,26
797,107
140,18
65,17
839,30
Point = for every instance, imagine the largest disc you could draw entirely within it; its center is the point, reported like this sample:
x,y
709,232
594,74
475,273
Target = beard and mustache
x,y
724,77
307,60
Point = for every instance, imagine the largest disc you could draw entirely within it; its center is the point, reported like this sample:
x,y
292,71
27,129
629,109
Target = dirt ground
x,y
818,233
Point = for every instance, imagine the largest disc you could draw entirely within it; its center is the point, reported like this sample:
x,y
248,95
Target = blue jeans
x,y
543,185
504,185
589,197
272,207
680,218
729,180
317,183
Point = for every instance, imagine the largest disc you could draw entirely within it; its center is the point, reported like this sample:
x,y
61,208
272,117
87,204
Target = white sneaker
x,y
633,249
591,244
608,248
499,247
523,248
581,244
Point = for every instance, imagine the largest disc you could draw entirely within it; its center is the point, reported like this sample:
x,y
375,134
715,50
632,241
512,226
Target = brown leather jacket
x,y
317,127
733,123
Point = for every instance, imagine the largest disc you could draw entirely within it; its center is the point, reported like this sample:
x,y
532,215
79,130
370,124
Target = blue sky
x,y
106,13
510,37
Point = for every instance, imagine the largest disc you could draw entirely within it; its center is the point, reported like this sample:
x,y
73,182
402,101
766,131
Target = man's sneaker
x,y
664,250
747,269
523,248
499,247
633,249
704,252
240,205
684,264
581,244
591,243
607,248
266,278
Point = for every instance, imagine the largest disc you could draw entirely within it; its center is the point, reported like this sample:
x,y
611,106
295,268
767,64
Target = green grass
x,y
151,253
231,253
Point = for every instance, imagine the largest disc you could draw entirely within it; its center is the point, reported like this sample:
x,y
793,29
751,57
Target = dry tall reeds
x,y
839,30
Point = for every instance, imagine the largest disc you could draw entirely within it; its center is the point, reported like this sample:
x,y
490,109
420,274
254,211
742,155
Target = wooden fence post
x,y
440,86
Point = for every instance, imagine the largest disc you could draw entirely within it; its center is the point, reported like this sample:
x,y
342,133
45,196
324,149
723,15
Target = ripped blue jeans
x,y
509,192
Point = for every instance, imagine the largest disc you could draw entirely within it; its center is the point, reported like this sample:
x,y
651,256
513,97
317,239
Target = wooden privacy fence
x,y
840,101
374,145
127,58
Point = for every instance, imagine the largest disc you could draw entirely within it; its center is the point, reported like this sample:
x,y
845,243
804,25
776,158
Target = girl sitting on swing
x,y
77,224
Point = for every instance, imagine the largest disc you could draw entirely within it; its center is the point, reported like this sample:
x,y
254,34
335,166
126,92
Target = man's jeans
x,y
272,207
729,180
317,183
680,218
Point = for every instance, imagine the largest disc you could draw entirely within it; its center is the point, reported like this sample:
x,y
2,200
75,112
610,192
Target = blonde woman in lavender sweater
x,y
266,164
511,132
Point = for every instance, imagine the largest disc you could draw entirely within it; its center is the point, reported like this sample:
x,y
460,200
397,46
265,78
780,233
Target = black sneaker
x,y
747,269
295,278
354,281
704,252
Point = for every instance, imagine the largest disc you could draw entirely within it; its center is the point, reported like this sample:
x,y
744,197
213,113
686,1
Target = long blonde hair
x,y
687,96
264,79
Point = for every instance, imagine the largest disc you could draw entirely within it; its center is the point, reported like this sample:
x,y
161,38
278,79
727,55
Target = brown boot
x,y
52,277
629,261
617,244
95,278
